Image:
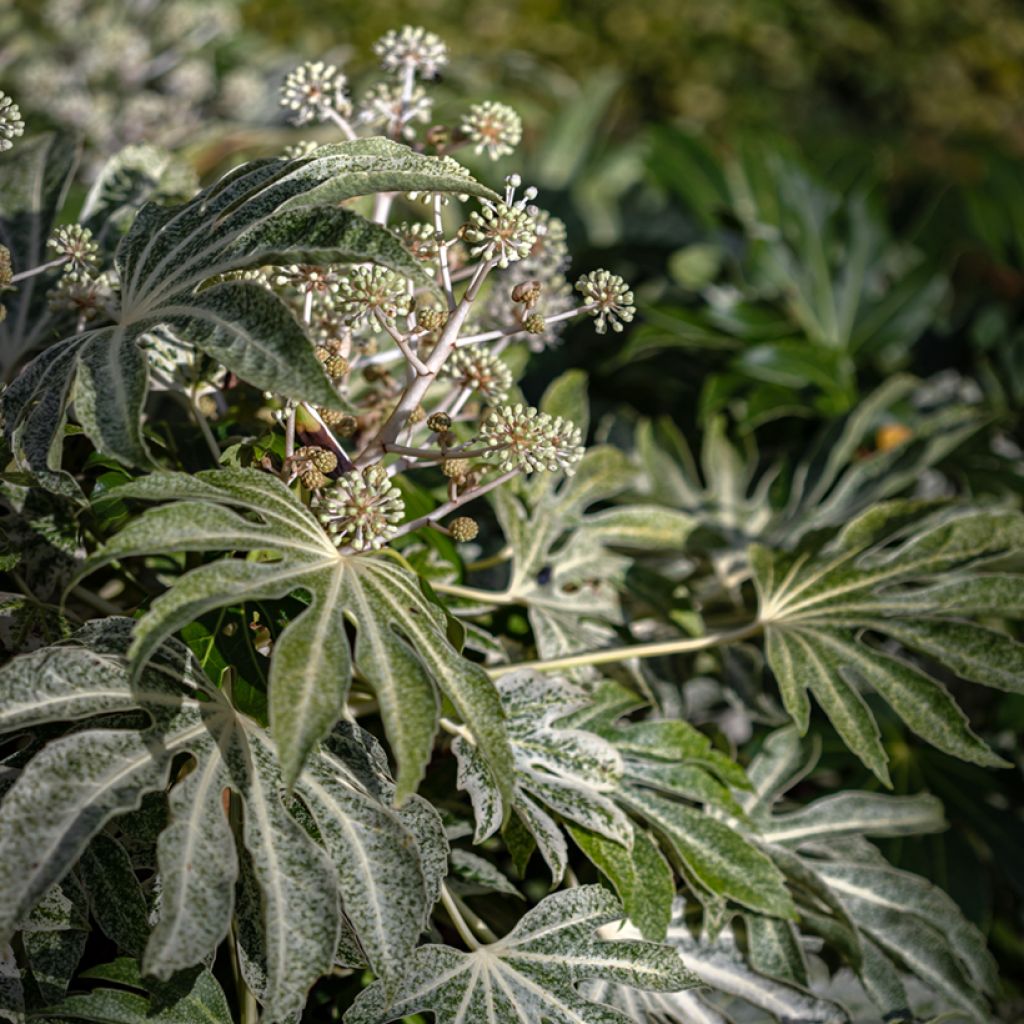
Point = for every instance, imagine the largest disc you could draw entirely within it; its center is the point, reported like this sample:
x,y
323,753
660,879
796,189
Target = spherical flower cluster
x,y
361,509
420,239
501,233
412,48
611,298
306,279
463,529
530,440
83,294
480,370
373,289
386,108
314,91
76,244
11,123
550,254
493,127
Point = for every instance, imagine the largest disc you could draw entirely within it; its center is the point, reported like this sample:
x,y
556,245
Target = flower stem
x,y
611,655
472,593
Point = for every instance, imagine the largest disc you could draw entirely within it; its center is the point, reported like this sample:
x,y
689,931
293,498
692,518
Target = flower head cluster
x,y
493,127
532,440
481,370
372,289
611,298
11,123
412,48
301,149
388,108
76,244
501,233
421,240
314,91
307,278
84,294
361,509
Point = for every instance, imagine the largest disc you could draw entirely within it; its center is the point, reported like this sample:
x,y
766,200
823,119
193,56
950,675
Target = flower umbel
x,y
493,127
531,440
369,290
412,48
611,298
361,509
11,123
76,243
480,370
315,90
501,233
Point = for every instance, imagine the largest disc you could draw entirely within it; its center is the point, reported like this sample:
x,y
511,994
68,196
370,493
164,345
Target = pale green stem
x,y
472,593
459,922
611,655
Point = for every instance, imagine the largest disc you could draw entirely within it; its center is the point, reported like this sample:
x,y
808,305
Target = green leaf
x,y
529,975
296,888
201,1001
641,876
401,646
887,573
719,859
719,965
115,896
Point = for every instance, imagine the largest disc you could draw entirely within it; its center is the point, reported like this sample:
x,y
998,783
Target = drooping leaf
x,y
194,999
69,790
531,974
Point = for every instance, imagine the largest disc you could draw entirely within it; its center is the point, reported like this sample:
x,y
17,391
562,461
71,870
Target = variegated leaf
x,y
290,920
531,974
874,579
401,647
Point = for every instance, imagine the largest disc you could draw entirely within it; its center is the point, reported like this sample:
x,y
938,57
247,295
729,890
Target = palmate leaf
x,y
531,974
723,970
267,212
884,922
738,500
401,647
896,571
366,863
598,778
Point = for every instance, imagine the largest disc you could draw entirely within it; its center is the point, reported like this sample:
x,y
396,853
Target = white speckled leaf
x,y
401,647
290,918
889,572
530,975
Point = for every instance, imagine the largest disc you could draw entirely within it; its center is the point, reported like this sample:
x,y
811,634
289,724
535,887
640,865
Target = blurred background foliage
x,y
809,197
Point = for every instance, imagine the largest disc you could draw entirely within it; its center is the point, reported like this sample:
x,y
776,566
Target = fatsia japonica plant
x,y
283,726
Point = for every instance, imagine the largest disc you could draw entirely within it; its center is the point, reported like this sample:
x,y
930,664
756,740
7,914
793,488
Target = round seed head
x,y
312,479
440,422
6,272
361,509
455,469
535,324
463,529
